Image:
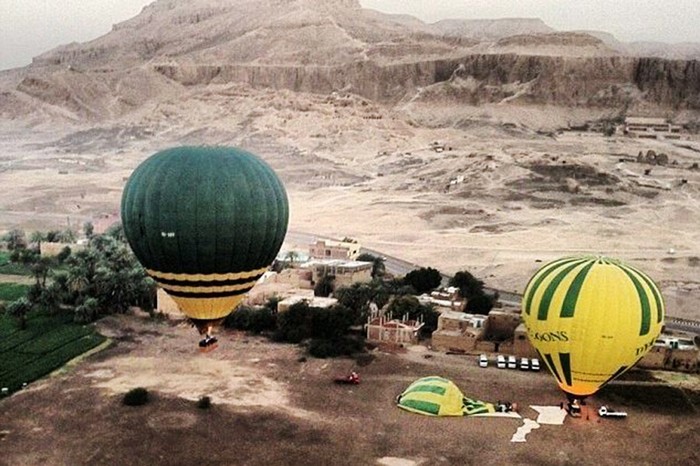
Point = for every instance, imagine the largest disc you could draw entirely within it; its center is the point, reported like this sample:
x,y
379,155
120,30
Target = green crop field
x,y
12,291
9,268
46,344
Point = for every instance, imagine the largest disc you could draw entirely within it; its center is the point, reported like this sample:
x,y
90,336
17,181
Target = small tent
x,y
437,396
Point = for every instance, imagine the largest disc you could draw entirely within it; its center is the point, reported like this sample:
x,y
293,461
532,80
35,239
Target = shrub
x,y
252,320
423,280
325,286
136,397
204,402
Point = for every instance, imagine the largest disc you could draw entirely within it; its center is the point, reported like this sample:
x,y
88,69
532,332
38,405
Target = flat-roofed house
x,y
328,249
458,331
346,272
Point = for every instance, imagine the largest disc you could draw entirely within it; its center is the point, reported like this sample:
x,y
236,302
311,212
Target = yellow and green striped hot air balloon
x,y
591,319
206,223
438,396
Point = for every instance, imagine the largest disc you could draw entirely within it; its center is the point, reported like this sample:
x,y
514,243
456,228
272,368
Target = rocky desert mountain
x,y
322,46
439,143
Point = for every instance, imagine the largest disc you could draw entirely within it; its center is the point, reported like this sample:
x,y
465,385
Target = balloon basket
x,y
208,349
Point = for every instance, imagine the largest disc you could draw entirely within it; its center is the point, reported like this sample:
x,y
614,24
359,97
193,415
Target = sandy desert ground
x,y
497,201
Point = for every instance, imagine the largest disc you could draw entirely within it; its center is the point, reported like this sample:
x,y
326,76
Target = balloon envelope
x,y
205,222
438,396
591,319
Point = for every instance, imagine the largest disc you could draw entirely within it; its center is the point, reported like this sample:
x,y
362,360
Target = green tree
x,y
423,280
330,323
18,309
108,272
291,258
88,229
480,304
410,306
116,231
378,266
87,311
398,287
53,236
324,286
294,325
36,238
15,239
358,297
41,269
63,255
67,236
472,289
469,286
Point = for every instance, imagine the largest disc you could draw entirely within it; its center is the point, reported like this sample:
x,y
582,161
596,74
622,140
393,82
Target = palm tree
x,y
19,309
67,236
41,269
15,239
88,229
378,266
36,238
291,257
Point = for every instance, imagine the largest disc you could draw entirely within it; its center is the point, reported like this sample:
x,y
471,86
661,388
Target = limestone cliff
x,y
321,46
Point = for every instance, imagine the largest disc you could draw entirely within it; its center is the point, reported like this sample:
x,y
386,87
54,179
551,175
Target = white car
x,y
535,364
524,364
483,361
512,362
501,362
604,411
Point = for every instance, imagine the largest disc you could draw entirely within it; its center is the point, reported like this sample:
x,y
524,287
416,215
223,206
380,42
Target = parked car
x,y
524,364
535,364
501,362
512,362
604,411
483,361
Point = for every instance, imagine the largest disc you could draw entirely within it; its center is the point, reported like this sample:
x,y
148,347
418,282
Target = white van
x,y
524,364
483,361
512,362
535,364
501,362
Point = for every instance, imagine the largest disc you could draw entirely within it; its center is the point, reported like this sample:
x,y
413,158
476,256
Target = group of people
x,y
208,341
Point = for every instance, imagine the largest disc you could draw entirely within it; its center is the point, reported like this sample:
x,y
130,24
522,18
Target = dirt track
x,y
271,407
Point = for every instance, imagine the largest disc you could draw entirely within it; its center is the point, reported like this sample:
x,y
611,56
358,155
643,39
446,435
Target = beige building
x,y
447,299
673,352
651,128
381,329
521,344
287,283
47,249
500,325
346,272
458,331
327,249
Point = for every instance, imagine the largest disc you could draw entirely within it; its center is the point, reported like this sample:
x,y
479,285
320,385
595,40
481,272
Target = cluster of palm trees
x,y
102,278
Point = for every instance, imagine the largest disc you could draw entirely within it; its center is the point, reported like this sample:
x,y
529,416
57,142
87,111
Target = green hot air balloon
x,y
206,223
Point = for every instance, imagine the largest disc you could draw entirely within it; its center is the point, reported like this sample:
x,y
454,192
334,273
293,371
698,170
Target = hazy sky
x,y
30,27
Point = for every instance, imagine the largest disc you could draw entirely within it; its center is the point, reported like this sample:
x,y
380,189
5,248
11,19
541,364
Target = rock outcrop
x,y
321,46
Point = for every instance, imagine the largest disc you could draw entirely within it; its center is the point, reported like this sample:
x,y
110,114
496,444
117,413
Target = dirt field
x,y
270,406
